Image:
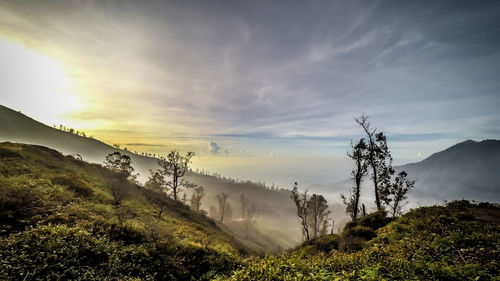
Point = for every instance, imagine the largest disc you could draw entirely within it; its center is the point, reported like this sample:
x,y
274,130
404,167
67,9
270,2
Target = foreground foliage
x,y
460,241
59,220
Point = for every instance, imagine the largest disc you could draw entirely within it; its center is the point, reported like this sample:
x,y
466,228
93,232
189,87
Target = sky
x,y
257,89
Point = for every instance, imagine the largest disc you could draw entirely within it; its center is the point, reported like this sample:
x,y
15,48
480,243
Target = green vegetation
x,y
59,220
460,241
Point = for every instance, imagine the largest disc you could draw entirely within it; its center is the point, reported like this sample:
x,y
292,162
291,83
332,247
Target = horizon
x,y
256,95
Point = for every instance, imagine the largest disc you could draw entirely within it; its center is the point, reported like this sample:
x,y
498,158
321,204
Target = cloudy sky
x,y
258,89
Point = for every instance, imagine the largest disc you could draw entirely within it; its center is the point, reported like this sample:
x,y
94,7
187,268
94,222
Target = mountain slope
x,y
460,241
59,220
17,127
275,209
466,170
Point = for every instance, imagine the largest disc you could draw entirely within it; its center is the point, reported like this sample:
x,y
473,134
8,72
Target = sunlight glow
x,y
33,74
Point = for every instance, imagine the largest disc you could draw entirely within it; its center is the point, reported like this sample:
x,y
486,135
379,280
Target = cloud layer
x,y
274,77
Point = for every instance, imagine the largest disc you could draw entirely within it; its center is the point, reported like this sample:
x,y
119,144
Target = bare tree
x,y
221,200
300,200
395,195
196,197
176,166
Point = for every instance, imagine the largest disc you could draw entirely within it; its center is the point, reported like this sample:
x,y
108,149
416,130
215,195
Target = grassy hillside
x,y
276,210
58,221
460,241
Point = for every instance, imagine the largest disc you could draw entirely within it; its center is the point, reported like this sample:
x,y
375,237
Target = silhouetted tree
x,y
359,155
119,163
121,166
378,157
394,196
300,200
221,200
196,197
176,166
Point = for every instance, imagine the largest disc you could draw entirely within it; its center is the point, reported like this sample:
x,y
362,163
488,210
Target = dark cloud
x,y
290,69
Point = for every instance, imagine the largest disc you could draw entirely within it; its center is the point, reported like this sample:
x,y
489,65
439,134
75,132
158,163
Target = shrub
x,y
74,183
375,220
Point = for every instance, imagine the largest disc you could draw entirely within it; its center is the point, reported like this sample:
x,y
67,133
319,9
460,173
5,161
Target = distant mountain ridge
x,y
469,169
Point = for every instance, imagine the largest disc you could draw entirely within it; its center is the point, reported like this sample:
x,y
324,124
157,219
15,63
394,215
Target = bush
x,y
74,183
20,202
375,220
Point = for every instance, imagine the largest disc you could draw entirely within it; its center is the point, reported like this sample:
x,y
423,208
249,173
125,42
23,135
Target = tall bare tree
x,y
176,166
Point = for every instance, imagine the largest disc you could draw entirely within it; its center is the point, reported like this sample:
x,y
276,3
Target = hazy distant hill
x,y
466,170
275,209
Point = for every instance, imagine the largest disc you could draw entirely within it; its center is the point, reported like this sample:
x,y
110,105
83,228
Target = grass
x,y
58,221
459,241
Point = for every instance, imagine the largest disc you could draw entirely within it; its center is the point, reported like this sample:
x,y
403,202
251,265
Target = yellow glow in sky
x,y
26,73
